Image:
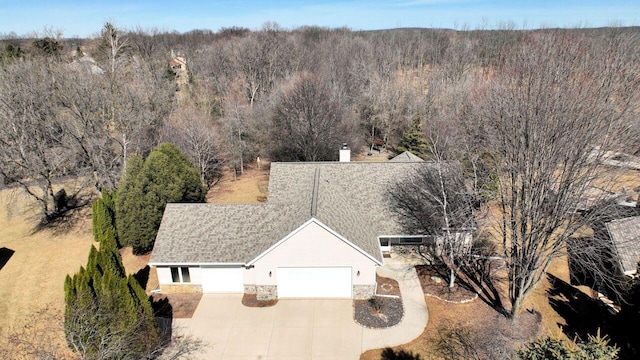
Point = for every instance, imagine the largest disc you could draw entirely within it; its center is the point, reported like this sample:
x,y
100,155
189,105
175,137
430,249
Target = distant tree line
x,y
81,107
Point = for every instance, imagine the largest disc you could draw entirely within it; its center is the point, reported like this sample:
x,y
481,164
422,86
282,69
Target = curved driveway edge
x,y
415,317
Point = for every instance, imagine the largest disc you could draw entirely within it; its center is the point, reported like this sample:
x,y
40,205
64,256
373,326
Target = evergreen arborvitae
x,y
102,302
129,201
167,175
104,216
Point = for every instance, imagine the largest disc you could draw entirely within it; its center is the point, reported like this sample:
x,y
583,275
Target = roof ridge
x,y
314,196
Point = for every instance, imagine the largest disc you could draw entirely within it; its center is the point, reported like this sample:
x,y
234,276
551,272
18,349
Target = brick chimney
x,y
345,153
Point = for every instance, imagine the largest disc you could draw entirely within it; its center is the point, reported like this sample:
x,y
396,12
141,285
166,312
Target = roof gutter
x,y
194,264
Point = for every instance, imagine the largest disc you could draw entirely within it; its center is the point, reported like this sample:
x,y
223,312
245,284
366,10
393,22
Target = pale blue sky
x,y
84,18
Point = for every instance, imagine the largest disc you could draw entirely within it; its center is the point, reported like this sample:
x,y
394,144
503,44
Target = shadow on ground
x,y
5,255
586,316
163,312
142,276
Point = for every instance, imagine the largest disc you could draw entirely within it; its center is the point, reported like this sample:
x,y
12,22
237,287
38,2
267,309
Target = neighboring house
x,y
625,237
178,63
88,63
406,157
321,234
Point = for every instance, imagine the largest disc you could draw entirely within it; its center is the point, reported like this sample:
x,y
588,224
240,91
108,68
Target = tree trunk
x,y
516,306
452,277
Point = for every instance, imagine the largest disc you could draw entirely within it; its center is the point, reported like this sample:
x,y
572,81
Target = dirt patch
x,y
180,306
387,286
435,284
378,312
251,300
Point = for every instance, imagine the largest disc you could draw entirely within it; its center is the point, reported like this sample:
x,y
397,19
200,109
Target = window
x,y
185,274
411,240
404,240
180,274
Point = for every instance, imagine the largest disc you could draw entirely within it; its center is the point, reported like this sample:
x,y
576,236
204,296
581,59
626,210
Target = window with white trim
x,y
180,274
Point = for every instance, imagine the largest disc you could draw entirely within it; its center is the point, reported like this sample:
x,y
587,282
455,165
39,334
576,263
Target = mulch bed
x,y
387,286
435,283
251,300
178,306
378,312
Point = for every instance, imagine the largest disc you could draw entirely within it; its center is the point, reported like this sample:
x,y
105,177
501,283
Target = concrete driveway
x,y
300,328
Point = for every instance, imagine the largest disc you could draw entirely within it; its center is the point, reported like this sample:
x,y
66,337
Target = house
x,y
178,63
625,237
321,234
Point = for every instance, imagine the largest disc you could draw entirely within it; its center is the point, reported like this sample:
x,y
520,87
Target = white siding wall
x,y
314,246
249,276
164,275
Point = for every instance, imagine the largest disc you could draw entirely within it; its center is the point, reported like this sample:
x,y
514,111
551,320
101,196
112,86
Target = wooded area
x,y
80,107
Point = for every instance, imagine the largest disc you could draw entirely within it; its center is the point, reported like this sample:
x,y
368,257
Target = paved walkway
x,y
301,329
415,311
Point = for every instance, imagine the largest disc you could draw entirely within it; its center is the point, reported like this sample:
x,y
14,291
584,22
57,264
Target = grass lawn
x,y
479,317
37,261
250,187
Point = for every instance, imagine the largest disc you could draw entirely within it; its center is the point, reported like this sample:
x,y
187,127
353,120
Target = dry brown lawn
x,y
33,277
250,187
479,317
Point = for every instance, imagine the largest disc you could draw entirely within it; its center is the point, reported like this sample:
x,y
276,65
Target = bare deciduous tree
x,y
34,150
194,133
552,102
434,201
308,123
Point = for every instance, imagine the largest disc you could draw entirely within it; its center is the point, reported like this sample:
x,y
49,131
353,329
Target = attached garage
x,y
314,282
222,280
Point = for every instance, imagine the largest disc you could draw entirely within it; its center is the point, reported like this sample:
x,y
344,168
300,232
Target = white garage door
x,y
222,280
314,282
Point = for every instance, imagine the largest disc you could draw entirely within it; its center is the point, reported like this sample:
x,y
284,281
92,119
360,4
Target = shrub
x,y
167,175
104,216
108,314
595,348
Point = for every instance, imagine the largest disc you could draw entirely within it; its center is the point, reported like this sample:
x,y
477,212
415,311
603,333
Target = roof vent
x,y
345,153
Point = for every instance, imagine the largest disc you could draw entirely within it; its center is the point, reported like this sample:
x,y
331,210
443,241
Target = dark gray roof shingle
x,y
350,198
625,235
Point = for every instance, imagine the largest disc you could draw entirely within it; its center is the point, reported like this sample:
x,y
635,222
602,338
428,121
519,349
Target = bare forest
x,y
77,108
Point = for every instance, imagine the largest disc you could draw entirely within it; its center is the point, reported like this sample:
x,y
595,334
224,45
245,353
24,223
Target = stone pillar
x,y
363,292
267,292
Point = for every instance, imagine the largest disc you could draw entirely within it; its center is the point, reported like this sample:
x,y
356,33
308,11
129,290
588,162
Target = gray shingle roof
x,y
350,198
406,157
625,235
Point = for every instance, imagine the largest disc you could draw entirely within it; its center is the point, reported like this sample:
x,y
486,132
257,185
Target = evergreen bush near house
x,y
104,216
129,201
107,314
166,176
